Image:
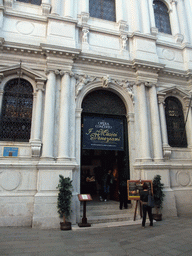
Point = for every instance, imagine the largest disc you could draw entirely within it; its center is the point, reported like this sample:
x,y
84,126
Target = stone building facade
x,y
56,53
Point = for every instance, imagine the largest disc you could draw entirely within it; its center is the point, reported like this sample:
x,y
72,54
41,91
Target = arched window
x,y
161,17
175,123
15,122
102,9
37,2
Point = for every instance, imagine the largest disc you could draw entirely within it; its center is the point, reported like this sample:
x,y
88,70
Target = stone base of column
x,y
63,159
35,148
179,38
154,31
46,9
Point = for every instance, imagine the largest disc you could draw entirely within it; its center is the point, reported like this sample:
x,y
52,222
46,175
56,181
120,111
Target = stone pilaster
x,y
183,20
175,23
155,123
36,140
143,122
49,116
68,8
64,131
145,16
166,150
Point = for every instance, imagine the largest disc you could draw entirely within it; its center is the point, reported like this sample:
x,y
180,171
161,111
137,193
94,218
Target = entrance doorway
x,y
95,168
104,165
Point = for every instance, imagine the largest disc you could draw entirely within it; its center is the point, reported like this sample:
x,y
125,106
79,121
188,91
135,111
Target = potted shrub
x,y
64,201
158,197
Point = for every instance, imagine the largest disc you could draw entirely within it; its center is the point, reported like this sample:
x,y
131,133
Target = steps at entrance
x,y
104,212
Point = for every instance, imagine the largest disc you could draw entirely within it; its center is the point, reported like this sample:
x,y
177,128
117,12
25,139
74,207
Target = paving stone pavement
x,y
171,236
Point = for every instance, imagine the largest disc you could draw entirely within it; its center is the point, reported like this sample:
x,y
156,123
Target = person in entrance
x,y
108,181
144,201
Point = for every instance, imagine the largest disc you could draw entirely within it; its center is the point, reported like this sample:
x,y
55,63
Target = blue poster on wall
x,y
103,133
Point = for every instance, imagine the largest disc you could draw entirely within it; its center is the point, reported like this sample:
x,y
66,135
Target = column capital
x,y
161,97
146,84
78,112
130,117
40,85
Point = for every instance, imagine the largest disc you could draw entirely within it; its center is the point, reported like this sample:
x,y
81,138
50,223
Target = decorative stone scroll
x,y
83,80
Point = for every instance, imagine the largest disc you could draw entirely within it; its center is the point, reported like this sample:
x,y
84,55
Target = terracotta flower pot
x,y
157,216
65,225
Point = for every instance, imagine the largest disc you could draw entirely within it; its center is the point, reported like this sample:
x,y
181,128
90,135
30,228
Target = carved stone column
x,y
1,99
36,140
143,122
46,7
175,23
166,150
119,10
155,123
183,20
188,118
145,16
68,8
72,118
49,116
64,134
188,7
55,7
154,29
135,16
84,6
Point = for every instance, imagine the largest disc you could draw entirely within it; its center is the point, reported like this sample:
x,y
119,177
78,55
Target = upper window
x,y
37,2
175,123
102,9
15,121
161,17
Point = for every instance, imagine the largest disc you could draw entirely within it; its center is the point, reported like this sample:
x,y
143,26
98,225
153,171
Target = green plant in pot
x,y
158,197
64,201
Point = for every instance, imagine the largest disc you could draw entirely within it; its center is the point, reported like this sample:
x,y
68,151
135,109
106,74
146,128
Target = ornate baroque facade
x,y
53,53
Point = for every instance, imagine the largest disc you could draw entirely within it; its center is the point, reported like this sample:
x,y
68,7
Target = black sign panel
x,y
103,133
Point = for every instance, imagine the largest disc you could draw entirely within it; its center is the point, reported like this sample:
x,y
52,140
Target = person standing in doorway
x,y
144,201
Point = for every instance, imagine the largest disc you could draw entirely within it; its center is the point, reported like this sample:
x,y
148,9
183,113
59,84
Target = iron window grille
x,y
15,120
161,17
175,123
36,2
102,9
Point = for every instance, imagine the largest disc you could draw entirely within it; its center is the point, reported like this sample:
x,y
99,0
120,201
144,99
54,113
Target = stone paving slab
x,y
169,237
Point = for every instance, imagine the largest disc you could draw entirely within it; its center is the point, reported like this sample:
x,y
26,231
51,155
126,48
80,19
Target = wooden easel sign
x,y
84,198
134,188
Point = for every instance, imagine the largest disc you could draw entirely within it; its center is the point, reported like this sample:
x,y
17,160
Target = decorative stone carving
x,y
10,180
106,80
127,86
183,178
82,80
85,32
8,3
124,42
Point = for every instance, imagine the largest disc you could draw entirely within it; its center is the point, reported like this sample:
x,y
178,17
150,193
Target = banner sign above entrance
x,y
103,133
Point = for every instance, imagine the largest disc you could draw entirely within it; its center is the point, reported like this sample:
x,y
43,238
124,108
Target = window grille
x,y
15,122
102,9
161,17
175,123
37,2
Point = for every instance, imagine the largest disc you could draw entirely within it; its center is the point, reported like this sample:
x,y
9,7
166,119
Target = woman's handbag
x,y
151,202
